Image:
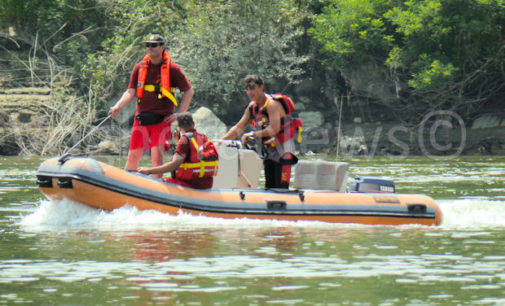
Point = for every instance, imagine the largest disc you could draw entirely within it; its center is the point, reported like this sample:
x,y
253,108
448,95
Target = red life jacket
x,y
165,90
289,125
203,158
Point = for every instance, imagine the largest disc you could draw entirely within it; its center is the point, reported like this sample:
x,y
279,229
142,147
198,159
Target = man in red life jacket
x,y
191,168
274,128
153,81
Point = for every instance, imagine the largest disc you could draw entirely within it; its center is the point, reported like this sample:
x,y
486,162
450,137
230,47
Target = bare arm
x,y
125,99
187,96
274,110
238,128
172,165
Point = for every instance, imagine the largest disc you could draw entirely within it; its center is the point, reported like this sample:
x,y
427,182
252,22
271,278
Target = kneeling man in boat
x,y
195,157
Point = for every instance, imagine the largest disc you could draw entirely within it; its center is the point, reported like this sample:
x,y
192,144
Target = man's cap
x,y
155,38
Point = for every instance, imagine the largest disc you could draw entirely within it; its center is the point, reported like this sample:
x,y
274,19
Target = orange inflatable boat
x,y
103,186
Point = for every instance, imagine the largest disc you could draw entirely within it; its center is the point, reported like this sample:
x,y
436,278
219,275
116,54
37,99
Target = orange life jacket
x,y
289,125
203,158
165,90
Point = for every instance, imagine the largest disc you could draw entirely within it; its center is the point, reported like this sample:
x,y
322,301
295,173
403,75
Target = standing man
x,y
153,81
273,128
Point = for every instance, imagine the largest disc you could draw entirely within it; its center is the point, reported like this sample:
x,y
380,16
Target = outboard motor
x,y
372,185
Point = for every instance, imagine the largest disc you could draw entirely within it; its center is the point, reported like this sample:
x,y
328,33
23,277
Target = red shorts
x,y
148,136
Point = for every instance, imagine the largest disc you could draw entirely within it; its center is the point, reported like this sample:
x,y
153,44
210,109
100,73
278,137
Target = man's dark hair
x,y
253,78
185,121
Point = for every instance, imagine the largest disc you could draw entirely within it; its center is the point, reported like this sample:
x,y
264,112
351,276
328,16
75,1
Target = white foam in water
x,y
59,214
472,213
67,215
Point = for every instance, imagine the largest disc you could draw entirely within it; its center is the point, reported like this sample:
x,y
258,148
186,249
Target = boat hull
x,y
103,186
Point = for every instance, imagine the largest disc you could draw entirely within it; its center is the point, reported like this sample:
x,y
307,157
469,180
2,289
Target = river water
x,y
65,253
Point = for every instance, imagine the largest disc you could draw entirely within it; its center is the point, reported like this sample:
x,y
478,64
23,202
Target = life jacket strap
x,y
202,164
168,94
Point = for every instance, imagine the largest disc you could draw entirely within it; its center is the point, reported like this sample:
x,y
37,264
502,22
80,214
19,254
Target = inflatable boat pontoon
x,y
103,186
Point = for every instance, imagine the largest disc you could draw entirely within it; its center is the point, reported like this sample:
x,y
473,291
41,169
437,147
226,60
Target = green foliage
x,y
61,27
431,45
423,46
432,74
350,30
223,41
441,40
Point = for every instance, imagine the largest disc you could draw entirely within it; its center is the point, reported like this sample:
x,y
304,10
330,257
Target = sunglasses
x,y
152,45
251,86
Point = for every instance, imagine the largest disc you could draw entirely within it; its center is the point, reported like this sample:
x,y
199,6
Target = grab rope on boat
x,y
63,158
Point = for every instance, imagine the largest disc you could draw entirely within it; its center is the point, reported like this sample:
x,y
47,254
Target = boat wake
x,y
472,214
65,215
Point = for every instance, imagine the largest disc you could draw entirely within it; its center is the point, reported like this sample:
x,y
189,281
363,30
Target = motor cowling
x,y
372,185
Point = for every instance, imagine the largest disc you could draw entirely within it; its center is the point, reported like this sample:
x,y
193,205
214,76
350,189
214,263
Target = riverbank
x,y
438,134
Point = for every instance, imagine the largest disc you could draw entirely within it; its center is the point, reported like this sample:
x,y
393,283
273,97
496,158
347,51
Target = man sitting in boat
x,y
195,157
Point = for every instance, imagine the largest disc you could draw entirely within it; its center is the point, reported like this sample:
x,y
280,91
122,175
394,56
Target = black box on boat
x,y
368,184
